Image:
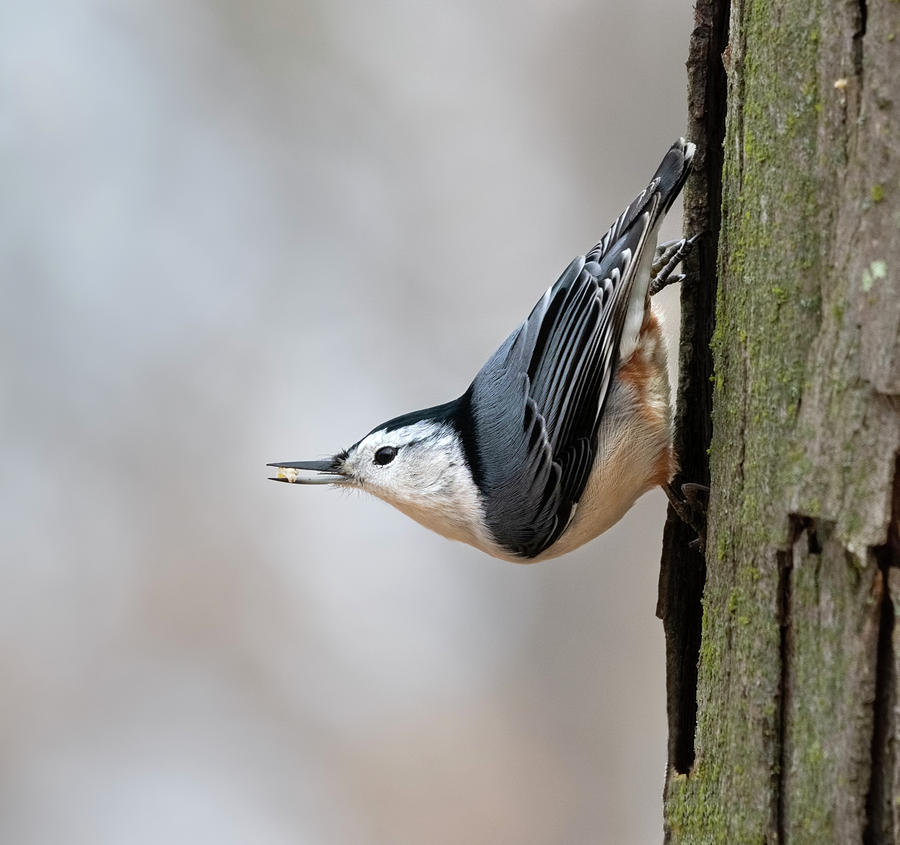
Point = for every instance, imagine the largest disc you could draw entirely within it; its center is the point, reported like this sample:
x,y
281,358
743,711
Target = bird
x,y
567,424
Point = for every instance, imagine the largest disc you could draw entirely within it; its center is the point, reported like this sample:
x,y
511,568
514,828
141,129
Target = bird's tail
x,y
673,171
659,195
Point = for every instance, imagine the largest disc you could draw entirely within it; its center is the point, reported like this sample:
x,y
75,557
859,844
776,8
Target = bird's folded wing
x,y
537,402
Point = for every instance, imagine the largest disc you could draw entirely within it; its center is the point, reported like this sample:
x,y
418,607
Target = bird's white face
x,y
418,468
415,463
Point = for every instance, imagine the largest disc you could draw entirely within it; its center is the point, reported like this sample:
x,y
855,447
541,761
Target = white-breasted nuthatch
x,y
565,426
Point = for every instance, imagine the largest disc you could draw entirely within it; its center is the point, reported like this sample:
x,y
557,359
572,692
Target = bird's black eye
x,y
385,455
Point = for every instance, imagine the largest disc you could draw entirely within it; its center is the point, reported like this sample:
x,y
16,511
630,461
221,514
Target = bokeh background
x,y
234,232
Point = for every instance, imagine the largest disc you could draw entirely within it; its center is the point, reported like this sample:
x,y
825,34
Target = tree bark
x,y
789,731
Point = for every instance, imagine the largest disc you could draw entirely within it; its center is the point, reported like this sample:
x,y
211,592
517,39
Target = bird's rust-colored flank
x,y
643,371
666,467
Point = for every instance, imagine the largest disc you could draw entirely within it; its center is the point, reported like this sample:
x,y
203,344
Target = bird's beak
x,y
310,472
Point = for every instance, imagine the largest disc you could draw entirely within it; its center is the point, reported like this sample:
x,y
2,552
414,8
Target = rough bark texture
x,y
797,736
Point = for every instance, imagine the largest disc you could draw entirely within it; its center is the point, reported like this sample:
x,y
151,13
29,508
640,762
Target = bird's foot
x,y
667,257
690,505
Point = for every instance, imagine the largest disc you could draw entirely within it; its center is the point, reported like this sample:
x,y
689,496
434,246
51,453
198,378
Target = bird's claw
x,y
667,257
691,505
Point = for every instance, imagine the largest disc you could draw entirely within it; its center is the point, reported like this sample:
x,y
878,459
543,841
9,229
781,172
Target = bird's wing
x,y
536,404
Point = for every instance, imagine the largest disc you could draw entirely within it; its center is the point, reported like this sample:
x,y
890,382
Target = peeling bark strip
x,y
797,736
683,570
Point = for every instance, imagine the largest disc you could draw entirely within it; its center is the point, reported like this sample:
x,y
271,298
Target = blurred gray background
x,y
235,232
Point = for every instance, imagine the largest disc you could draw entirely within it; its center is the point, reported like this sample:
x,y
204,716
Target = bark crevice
x,y
785,559
877,824
858,37
683,570
879,819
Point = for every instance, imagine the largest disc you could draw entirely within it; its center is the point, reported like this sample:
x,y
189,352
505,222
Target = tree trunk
x,y
787,728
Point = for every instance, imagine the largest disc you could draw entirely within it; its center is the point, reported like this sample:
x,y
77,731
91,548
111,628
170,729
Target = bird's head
x,y
416,463
394,463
